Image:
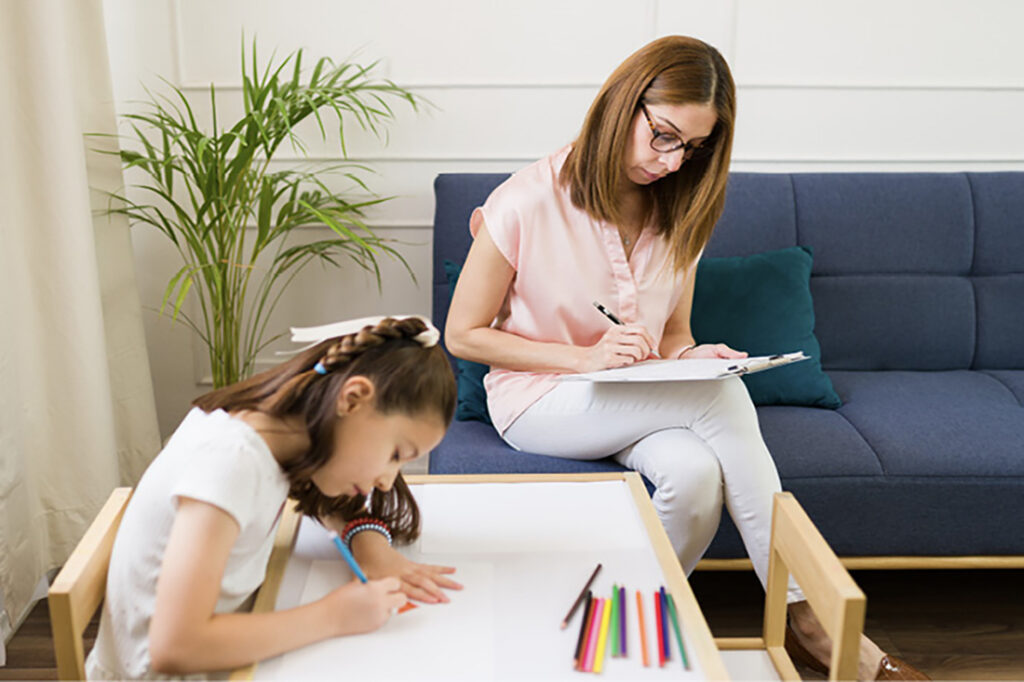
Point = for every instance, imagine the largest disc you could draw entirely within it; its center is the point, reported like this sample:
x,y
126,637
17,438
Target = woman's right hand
x,y
362,607
621,345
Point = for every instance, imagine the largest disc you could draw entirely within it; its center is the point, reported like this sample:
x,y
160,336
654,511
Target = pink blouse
x,y
563,261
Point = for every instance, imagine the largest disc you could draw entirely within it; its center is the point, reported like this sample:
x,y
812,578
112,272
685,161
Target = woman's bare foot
x,y
813,638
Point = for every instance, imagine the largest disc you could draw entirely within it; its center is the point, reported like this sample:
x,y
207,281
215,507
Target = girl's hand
x,y
422,582
621,345
362,607
713,350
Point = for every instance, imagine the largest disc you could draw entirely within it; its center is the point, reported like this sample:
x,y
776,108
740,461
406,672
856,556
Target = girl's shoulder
x,y
215,434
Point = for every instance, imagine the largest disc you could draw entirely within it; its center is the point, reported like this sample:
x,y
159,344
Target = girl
x,y
622,215
326,428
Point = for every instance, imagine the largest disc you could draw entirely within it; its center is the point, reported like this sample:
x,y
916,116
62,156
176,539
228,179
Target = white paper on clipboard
x,y
703,369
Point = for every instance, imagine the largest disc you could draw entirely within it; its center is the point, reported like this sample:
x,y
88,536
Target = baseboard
x,y
867,563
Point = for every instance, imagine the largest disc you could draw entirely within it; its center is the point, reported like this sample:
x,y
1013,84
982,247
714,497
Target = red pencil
x,y
657,620
595,626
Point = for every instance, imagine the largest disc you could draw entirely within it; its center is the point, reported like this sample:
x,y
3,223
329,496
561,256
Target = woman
x,y
621,216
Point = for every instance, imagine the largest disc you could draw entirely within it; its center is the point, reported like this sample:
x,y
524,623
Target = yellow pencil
x,y
602,637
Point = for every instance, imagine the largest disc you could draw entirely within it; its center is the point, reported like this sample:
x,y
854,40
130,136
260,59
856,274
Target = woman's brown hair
x,y
685,205
409,379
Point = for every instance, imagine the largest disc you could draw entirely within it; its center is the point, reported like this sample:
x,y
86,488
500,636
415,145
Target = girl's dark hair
x,y
686,204
409,379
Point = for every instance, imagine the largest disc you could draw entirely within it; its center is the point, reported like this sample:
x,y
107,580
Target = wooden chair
x,y
798,548
78,589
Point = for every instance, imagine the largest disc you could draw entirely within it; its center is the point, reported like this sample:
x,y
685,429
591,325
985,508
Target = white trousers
x,y
698,442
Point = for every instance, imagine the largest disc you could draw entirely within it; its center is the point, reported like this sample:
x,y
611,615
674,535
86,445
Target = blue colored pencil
x,y
346,554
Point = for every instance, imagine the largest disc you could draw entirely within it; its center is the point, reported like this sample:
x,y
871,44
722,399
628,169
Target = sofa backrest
x,y
913,271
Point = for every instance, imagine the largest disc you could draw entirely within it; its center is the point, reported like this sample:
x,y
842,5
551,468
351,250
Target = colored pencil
x,y
577,659
602,638
667,643
613,626
346,554
595,627
622,619
679,632
579,599
657,623
643,631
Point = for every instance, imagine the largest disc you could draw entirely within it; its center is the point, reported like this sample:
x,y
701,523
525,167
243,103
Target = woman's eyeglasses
x,y
669,142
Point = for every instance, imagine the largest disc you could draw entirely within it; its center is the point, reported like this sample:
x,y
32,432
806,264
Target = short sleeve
x,y
502,213
223,475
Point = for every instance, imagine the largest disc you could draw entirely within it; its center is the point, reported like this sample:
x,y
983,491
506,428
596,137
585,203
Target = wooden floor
x,y
953,625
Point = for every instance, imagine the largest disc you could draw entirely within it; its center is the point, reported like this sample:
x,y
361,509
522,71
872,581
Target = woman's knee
x,y
691,483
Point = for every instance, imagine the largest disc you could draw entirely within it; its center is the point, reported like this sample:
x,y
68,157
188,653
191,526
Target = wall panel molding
x,y
781,85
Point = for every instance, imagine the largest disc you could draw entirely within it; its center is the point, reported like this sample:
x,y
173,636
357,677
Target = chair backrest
x,y
798,548
78,589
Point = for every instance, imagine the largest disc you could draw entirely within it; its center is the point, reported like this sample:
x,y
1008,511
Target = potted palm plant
x,y
215,193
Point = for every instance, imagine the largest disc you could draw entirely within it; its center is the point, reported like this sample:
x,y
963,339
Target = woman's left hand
x,y
713,350
422,582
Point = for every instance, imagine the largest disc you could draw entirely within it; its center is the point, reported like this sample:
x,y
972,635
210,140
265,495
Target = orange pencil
x,y
657,622
643,631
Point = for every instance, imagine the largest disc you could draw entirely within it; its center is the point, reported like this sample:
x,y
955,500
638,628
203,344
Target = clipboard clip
x,y
767,363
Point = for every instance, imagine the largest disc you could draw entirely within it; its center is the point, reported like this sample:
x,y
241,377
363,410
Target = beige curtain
x,y
77,414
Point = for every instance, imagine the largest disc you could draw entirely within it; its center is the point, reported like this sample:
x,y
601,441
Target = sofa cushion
x,y
762,304
1000,304
469,376
815,443
866,224
956,424
912,516
917,322
1012,379
472,447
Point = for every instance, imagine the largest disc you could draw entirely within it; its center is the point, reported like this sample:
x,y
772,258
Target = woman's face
x,y
690,123
369,446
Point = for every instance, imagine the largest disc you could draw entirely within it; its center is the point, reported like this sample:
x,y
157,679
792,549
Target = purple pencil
x,y
664,622
622,621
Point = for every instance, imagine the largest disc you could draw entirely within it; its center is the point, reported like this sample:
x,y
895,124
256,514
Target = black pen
x,y
607,313
615,320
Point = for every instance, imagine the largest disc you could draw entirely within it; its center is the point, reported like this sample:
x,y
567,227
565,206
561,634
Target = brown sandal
x,y
889,668
799,653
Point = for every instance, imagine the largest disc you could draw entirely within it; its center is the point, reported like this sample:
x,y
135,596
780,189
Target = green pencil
x,y
679,633
614,644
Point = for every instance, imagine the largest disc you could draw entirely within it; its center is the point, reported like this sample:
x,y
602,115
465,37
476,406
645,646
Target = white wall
x,y
891,85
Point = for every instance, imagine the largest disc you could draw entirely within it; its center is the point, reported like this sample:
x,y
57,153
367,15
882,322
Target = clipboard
x,y
703,369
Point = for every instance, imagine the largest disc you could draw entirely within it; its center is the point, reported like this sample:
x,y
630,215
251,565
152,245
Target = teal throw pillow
x,y
472,399
762,304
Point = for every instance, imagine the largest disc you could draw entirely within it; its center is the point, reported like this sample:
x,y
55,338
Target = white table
x,y
523,545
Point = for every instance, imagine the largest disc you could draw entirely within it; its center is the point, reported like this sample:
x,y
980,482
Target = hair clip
x,y
319,368
428,338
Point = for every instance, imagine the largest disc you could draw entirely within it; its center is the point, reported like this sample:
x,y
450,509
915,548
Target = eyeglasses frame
x,y
690,150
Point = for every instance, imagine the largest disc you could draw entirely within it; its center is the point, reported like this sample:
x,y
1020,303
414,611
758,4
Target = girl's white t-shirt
x,y
212,457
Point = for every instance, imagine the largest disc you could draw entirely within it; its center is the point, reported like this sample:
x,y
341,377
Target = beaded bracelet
x,y
363,519
356,526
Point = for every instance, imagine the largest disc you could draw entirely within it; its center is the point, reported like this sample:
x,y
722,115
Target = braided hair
x,y
411,377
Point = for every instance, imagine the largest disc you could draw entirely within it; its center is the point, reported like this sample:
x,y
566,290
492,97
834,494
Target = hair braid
x,y
341,354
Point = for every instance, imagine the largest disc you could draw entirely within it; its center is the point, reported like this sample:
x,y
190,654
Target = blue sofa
x,y
918,287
